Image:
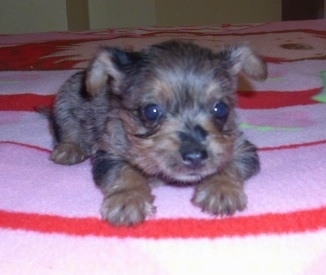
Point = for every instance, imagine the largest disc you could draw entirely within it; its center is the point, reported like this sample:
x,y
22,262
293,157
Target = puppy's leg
x,y
223,194
68,122
127,195
68,134
68,153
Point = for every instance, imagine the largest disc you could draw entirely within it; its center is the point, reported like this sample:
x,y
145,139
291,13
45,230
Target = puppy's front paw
x,y
68,154
127,207
218,198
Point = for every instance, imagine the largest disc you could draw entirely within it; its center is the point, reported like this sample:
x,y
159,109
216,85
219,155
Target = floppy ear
x,y
107,68
241,58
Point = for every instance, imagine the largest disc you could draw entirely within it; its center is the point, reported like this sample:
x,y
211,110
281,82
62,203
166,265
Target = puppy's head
x,y
177,105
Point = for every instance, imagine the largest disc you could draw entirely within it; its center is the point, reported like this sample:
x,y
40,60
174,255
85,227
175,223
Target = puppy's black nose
x,y
194,158
192,149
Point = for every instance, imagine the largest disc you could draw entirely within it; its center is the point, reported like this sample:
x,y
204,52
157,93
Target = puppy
x,y
164,114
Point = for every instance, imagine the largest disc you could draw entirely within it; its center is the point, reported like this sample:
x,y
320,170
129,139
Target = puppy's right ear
x,y
241,58
107,68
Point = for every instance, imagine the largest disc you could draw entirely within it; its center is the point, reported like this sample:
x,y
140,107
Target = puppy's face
x,y
177,108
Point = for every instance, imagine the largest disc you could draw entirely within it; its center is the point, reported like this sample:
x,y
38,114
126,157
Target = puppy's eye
x,y
152,112
221,111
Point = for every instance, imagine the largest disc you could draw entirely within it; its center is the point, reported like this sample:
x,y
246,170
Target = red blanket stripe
x,y
28,146
24,102
293,222
293,146
246,100
275,99
37,55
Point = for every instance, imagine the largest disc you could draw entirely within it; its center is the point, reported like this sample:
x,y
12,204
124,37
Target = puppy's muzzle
x,y
192,150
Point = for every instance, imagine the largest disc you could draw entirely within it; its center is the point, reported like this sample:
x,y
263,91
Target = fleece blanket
x,y
49,214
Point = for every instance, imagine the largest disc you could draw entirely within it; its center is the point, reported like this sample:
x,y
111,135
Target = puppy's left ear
x,y
241,58
107,68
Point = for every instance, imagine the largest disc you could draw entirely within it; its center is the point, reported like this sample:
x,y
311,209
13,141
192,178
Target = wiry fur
x,y
106,112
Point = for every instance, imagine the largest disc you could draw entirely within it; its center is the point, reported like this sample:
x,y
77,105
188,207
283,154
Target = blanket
x,y
49,214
